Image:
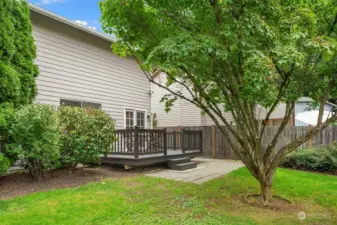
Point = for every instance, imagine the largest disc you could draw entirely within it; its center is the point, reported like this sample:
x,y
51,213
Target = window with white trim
x,y
135,117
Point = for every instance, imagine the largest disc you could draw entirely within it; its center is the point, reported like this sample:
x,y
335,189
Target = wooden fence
x,y
216,146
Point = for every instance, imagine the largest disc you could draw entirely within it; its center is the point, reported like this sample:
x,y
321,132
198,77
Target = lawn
x,y
147,200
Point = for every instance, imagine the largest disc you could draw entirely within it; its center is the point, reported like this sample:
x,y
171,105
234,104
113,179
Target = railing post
x,y
182,141
174,140
165,141
201,141
136,142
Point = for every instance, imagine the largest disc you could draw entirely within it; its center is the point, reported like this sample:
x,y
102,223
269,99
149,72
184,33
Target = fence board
x,y
222,149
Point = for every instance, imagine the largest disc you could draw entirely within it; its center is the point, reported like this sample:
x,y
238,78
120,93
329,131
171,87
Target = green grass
x,y
146,200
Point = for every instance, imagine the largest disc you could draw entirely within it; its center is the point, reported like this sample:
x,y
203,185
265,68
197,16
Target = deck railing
x,y
138,142
185,140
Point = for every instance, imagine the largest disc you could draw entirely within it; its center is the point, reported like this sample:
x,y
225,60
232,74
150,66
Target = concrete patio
x,y
207,169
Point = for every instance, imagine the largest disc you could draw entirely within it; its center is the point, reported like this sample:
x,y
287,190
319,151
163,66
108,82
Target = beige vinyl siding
x,y
206,120
183,113
165,119
75,65
190,115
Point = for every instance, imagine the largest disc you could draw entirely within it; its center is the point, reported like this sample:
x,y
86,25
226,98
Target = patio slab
x,y
207,169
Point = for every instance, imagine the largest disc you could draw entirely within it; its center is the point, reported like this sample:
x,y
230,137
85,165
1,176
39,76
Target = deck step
x,y
173,162
184,166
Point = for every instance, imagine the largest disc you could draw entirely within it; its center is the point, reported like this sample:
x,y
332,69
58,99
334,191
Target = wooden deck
x,y
136,147
149,158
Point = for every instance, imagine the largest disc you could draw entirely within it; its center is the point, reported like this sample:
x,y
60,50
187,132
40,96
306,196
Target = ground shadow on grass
x,y
19,184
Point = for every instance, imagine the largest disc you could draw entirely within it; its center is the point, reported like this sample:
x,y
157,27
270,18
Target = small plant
x,y
154,120
319,159
86,133
4,164
35,134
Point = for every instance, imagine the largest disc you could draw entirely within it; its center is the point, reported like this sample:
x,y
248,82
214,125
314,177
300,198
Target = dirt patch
x,y
277,203
19,184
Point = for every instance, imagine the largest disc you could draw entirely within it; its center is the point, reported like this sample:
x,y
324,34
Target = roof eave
x,y
70,23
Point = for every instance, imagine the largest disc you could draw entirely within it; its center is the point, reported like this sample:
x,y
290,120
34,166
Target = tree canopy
x,y
17,54
235,55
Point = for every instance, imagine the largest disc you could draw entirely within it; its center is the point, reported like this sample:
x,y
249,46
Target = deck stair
x,y
183,163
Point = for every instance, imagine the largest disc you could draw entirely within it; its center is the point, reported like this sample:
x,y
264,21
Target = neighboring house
x,y
184,113
304,113
78,68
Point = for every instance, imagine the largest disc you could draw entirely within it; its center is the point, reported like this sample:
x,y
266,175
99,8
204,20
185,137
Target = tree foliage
x,y
238,56
17,54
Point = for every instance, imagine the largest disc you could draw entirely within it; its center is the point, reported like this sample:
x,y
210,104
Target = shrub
x,y
319,159
4,164
35,133
86,133
6,115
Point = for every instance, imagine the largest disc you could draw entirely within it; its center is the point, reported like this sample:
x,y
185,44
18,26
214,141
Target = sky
x,y
85,12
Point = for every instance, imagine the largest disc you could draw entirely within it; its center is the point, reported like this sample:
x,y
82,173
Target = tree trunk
x,y
266,192
266,182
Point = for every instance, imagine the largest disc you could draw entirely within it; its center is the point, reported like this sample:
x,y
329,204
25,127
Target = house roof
x,y
71,23
307,99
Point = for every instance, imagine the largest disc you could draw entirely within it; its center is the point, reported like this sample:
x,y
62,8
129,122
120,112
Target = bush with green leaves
x,y
318,159
35,134
6,113
86,133
4,164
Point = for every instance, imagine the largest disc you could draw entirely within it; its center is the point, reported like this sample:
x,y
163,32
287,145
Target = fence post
x,y
310,140
182,141
213,141
174,140
179,141
136,142
201,141
165,141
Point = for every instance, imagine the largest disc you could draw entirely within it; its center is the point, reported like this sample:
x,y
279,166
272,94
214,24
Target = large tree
x,y
238,56
17,54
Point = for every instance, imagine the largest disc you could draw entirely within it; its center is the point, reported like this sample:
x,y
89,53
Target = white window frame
x,y
135,110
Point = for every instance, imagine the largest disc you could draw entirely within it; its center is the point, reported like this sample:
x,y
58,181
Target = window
x,y
70,103
129,122
80,104
141,119
134,118
91,105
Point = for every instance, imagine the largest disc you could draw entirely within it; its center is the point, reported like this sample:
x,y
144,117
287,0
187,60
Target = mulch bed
x,y
277,203
19,184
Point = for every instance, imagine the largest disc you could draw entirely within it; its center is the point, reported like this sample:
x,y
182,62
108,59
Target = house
x,y
185,114
78,68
